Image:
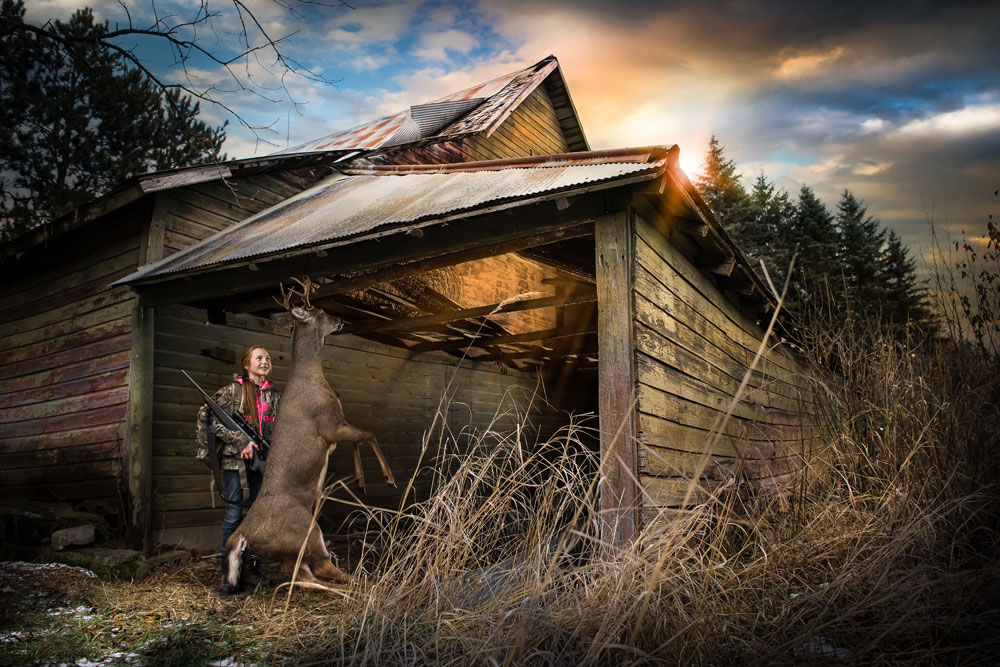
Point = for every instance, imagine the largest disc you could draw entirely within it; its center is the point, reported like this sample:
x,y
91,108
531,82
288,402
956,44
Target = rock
x,y
76,536
32,522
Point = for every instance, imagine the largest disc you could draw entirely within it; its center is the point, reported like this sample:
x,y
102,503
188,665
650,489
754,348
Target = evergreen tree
x,y
719,185
79,125
860,240
769,213
904,298
811,231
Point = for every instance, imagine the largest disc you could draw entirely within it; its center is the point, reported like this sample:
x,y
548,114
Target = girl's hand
x,y
247,452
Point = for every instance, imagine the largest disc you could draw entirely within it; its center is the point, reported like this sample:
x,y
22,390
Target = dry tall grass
x,y
893,560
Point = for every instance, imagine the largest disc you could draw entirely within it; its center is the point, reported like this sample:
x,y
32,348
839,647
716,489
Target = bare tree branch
x,y
190,46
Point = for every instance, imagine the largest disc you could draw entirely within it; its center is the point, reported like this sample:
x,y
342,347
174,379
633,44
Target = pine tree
x,y
769,214
860,240
811,233
79,126
905,299
719,185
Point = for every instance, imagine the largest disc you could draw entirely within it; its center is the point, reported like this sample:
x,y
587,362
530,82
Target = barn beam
x,y
615,253
137,465
542,336
415,323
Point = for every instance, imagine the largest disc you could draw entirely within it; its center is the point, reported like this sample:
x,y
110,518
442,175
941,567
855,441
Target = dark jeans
x,y
234,499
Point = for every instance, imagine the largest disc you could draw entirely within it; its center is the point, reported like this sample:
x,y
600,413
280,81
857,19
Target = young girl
x,y
256,398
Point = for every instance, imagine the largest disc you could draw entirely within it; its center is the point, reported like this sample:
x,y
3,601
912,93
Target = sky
x,y
898,102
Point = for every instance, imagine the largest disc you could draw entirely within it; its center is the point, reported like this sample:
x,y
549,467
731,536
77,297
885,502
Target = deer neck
x,y
306,360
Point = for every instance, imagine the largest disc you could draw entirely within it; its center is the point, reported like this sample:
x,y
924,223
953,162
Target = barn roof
x,y
362,200
479,109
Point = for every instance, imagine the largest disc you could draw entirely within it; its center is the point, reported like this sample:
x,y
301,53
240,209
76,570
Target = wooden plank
x,y
72,323
54,392
58,459
67,373
71,438
96,492
137,459
58,294
753,440
695,280
543,336
100,340
152,241
70,268
414,323
665,462
108,414
690,303
62,406
614,247
672,383
760,394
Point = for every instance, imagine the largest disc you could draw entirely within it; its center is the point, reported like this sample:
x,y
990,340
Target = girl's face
x,y
260,364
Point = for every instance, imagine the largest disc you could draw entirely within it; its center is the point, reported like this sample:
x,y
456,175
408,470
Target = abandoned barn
x,y
474,244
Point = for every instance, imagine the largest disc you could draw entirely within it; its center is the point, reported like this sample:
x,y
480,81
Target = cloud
x,y
435,46
975,119
808,64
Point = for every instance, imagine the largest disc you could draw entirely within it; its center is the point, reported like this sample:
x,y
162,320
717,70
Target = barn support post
x,y
138,454
614,248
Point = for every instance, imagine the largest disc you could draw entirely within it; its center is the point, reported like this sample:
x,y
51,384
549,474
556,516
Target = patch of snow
x,y
821,646
11,637
21,566
225,662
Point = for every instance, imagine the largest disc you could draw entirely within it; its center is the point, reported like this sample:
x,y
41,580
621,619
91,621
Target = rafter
x,y
416,323
543,336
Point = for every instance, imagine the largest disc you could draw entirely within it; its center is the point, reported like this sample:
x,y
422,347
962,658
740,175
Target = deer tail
x,y
234,562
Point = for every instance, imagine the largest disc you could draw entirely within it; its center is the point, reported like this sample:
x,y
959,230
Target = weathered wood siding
x,y
389,391
692,349
531,129
193,213
64,357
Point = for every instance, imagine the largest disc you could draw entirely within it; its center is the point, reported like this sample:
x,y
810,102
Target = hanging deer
x,y
309,426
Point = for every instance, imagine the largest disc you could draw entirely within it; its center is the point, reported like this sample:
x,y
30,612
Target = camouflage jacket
x,y
231,442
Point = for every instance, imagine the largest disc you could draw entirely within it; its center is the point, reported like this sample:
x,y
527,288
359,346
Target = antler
x,y
307,286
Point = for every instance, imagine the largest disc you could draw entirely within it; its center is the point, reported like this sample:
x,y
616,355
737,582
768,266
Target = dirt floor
x,y
59,615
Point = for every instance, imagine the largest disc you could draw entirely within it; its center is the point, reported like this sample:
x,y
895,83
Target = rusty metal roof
x,y
360,201
447,116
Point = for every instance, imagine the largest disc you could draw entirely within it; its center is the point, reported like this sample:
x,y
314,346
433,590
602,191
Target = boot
x,y
252,576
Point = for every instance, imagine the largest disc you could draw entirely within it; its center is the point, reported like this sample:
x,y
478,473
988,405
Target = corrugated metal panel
x,y
390,130
347,206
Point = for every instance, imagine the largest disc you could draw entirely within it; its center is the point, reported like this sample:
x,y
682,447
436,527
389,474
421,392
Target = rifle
x,y
237,422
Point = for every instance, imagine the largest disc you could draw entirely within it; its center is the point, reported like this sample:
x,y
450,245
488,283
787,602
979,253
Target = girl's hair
x,y
248,402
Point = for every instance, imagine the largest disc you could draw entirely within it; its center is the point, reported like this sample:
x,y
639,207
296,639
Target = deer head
x,y
305,313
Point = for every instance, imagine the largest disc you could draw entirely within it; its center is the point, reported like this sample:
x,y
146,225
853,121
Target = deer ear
x,y
283,318
300,314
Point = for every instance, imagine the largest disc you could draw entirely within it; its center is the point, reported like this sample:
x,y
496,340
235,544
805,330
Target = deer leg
x,y
348,433
327,570
304,573
389,479
359,472
320,561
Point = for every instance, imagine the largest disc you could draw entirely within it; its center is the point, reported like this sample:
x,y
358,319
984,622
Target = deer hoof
x,y
226,590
